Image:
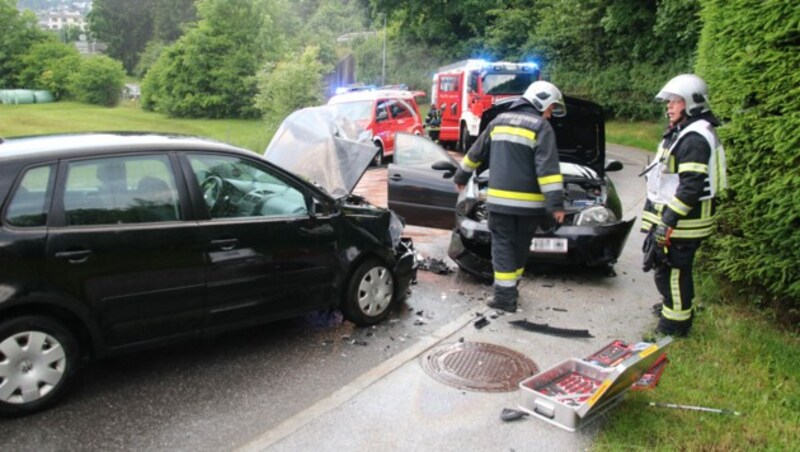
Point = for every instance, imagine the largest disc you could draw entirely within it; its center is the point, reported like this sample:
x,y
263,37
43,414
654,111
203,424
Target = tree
x,y
169,18
125,26
99,81
458,26
210,71
19,33
288,85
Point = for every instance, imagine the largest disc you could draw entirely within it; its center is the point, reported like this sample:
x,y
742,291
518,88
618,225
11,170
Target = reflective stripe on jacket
x,y
684,181
520,147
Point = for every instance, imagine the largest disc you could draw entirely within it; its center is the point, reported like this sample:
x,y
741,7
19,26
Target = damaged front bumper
x,y
470,246
406,265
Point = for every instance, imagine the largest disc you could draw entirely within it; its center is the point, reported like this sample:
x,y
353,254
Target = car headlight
x,y
595,216
395,229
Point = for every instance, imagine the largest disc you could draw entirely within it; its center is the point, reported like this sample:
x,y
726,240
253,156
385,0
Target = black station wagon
x,y
117,242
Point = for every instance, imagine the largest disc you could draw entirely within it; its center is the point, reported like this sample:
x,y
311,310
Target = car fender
x,y
74,313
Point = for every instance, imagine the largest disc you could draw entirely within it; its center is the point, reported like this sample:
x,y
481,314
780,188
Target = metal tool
x,y
696,408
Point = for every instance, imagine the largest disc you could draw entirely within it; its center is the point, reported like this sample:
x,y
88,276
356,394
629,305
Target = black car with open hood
x,y
420,189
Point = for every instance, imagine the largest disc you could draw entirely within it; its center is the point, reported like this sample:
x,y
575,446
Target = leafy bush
x,y
748,55
99,81
148,57
289,85
49,65
210,71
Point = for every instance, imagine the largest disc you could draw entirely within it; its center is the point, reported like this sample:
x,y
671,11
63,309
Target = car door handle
x,y
74,257
225,244
396,177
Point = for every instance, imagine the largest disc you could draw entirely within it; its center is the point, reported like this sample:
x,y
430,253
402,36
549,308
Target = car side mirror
x,y
447,167
613,165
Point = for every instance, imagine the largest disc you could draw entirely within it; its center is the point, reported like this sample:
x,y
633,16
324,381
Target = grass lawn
x,y
64,117
639,134
734,359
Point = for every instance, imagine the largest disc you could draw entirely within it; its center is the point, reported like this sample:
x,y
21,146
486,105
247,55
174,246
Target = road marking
x,y
367,379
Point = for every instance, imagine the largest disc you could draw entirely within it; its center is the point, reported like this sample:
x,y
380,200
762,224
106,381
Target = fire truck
x,y
463,90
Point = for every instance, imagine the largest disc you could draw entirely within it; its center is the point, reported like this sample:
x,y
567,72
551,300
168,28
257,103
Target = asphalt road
x,y
220,393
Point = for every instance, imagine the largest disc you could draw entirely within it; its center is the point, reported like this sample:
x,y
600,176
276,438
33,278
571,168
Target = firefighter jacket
x,y
685,179
525,177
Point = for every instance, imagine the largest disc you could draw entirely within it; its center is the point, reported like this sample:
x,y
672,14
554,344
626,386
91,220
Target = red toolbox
x,y
575,392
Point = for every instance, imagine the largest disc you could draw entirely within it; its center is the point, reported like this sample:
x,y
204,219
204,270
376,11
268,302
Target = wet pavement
x,y
398,406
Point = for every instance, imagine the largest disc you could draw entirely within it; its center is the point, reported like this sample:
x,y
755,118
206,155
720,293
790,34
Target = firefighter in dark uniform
x,y
525,183
683,184
433,122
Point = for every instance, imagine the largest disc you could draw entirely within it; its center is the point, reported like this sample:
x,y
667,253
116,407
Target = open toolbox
x,y
575,392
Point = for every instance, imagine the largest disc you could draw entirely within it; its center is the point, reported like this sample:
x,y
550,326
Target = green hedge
x,y
748,54
99,81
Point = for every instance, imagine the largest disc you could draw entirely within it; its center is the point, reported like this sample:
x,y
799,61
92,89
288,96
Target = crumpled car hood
x,y
326,149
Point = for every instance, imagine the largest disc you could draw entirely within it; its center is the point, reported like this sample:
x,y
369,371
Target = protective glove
x,y
663,234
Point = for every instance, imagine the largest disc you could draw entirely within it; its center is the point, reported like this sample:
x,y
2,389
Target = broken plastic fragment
x,y
509,414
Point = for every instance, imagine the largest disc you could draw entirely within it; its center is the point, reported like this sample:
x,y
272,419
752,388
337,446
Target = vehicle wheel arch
x,y
355,265
48,332
87,341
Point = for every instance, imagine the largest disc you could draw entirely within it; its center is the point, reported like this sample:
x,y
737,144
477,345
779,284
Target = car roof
x,y
371,95
66,145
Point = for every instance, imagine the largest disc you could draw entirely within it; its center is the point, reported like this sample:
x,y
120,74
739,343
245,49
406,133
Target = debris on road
x,y
437,266
547,329
510,414
481,322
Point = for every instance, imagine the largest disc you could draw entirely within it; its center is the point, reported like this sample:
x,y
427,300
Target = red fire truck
x,y
463,90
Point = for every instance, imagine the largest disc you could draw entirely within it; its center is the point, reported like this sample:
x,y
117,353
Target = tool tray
x,y
575,392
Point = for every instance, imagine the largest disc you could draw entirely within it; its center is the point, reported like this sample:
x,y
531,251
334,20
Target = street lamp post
x,y
383,63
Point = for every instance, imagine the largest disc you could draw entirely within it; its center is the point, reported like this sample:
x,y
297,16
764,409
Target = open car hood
x,y
580,135
326,149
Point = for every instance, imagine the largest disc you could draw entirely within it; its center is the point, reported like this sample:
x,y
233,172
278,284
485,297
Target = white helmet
x,y
542,94
691,88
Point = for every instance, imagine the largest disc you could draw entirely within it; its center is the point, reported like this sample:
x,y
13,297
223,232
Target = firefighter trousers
x,y
511,241
675,283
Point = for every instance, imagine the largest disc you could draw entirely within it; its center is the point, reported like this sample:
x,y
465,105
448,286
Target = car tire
x,y
378,160
370,293
463,140
41,357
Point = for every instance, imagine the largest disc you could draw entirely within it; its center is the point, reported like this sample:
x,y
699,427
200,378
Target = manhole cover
x,y
478,366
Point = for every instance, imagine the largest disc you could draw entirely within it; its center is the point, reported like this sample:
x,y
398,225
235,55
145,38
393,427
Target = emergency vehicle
x,y
382,113
463,90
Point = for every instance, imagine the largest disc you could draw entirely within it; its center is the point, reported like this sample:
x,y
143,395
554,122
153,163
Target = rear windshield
x,y
354,111
497,84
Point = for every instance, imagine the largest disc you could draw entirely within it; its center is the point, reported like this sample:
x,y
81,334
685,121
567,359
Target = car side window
x,y
31,200
120,190
417,152
234,188
380,111
448,83
400,109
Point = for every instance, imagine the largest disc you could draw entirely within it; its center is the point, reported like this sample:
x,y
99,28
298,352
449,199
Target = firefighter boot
x,y
505,298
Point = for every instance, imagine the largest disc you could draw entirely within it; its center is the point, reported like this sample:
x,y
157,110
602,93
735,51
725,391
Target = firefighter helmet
x,y
691,88
543,94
